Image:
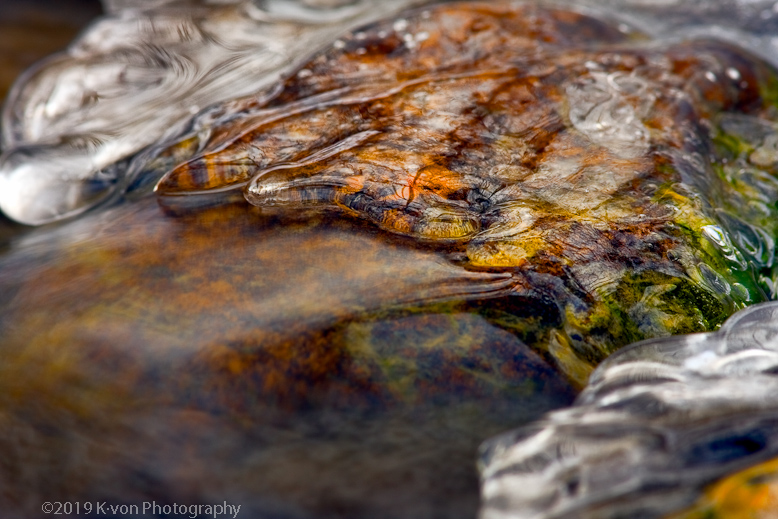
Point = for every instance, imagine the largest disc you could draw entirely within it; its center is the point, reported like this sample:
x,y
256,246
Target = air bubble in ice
x,y
608,109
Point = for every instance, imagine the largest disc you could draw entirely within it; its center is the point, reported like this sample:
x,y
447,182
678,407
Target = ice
x,y
40,184
657,422
608,109
138,74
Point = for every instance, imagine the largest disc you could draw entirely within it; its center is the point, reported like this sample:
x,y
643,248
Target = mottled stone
x,y
454,216
627,184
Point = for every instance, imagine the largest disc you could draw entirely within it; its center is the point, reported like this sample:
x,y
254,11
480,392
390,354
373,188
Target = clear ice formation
x,y
72,121
659,420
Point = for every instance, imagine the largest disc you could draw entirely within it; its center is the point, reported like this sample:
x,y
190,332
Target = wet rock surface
x,y
300,368
612,180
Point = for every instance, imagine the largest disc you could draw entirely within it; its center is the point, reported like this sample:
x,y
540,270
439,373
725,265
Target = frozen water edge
x,y
659,420
135,77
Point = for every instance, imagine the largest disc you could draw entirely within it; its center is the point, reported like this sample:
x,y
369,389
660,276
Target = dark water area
x,y
31,30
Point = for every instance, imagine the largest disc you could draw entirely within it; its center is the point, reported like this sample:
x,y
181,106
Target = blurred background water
x,y
33,30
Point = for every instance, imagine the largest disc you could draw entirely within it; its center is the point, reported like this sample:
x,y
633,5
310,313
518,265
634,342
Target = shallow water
x,y
306,363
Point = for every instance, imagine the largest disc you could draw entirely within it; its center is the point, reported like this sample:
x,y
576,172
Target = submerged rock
x,y
303,369
627,185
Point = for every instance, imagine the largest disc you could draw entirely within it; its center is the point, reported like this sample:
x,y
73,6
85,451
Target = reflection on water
x,y
430,230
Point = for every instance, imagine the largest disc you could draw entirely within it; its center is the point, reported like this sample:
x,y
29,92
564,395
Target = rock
x,y
299,368
431,232
627,186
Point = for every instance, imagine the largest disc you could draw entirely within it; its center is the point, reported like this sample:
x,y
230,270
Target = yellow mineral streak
x,y
750,494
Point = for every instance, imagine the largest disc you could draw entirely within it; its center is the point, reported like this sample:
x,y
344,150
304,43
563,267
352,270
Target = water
x,y
289,369
340,347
